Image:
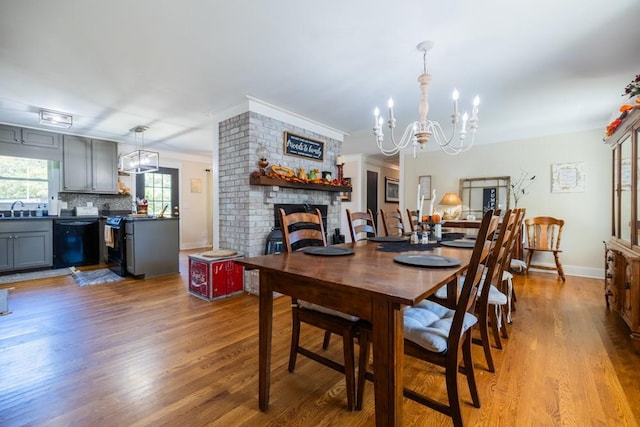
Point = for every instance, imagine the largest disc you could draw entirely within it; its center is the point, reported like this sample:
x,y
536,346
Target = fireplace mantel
x,y
270,181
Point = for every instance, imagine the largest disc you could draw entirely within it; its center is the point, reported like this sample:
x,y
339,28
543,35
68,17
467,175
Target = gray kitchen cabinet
x,y
25,244
34,143
89,165
152,246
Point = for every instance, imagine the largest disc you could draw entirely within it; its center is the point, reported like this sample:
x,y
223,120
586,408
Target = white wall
x,y
356,167
587,215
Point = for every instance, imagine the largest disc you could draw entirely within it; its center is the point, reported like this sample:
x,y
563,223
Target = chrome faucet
x,y
14,205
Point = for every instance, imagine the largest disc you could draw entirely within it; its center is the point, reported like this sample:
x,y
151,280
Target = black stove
x,y
116,245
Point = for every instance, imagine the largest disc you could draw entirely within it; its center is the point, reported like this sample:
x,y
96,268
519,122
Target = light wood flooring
x,y
146,353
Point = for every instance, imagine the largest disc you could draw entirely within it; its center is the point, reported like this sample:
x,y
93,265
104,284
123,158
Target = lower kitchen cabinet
x,y
25,245
213,278
152,246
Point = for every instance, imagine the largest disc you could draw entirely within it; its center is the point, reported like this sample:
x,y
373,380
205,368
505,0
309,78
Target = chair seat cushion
x,y
315,307
428,324
517,265
496,297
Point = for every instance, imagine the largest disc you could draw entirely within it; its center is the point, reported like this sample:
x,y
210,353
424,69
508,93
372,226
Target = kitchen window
x,y
24,179
160,189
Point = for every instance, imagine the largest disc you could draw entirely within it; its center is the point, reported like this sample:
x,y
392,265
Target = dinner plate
x,y
328,251
387,239
468,244
425,260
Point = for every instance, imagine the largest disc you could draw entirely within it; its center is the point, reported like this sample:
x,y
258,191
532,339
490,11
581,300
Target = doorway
x,y
161,189
372,195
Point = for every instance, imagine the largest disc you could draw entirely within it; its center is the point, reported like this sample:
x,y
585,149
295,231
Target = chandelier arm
x,y
419,133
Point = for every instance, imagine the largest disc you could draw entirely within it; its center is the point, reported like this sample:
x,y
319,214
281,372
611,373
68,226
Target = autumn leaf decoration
x,y
631,90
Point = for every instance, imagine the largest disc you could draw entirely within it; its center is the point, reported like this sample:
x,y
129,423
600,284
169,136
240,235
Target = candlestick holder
x,y
340,172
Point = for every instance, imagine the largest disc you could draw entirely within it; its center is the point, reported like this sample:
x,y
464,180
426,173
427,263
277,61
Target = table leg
x,y
265,328
388,357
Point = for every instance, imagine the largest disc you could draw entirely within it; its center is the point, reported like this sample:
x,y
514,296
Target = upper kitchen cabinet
x,y
31,143
89,165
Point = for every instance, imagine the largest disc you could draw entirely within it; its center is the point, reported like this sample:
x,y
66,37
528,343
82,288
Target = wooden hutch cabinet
x,y
622,267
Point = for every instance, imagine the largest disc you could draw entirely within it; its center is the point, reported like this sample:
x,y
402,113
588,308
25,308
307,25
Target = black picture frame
x,y
302,146
391,190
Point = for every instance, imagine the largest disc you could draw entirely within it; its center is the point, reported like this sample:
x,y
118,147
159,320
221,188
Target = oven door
x,y
116,256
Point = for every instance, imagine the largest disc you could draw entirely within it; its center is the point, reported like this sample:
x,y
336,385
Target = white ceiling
x,y
540,66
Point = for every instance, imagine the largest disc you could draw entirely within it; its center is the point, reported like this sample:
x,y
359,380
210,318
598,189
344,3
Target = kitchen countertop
x,y
49,218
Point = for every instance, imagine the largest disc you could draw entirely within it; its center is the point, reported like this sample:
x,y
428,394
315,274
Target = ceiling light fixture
x,y
141,160
54,118
418,133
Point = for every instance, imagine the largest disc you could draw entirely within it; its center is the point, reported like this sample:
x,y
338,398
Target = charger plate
x,y
328,251
387,239
426,260
467,244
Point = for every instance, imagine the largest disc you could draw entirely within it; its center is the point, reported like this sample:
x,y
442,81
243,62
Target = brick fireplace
x,y
247,211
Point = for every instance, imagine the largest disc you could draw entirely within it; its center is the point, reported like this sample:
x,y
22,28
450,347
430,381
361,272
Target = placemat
x,y
328,251
387,239
424,260
405,247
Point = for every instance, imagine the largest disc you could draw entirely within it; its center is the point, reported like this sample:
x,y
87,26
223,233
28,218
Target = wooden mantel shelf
x,y
267,180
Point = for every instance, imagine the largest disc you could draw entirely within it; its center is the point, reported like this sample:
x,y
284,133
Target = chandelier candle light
x,y
417,134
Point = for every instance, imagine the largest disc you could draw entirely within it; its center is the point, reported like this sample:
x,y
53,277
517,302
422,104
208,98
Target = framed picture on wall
x,y
391,190
345,196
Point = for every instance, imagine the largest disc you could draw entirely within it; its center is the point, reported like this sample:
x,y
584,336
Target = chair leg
x,y
453,395
295,339
483,325
495,328
325,341
529,257
558,265
349,367
505,319
469,372
363,361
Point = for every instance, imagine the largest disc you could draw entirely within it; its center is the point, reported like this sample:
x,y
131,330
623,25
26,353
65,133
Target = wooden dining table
x,y
368,284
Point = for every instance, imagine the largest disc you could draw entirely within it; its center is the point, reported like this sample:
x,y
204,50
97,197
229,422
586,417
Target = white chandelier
x,y
417,134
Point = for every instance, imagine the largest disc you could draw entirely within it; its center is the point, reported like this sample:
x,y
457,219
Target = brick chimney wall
x,y
246,211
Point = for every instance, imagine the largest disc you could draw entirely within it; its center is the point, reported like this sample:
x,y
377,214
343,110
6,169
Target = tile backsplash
x,y
106,203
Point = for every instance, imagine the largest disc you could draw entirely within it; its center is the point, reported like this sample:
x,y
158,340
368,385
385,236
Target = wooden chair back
x,y
302,229
413,220
361,225
459,343
544,233
392,222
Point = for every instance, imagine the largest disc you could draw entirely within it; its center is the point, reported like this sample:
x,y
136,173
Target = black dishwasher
x,y
75,242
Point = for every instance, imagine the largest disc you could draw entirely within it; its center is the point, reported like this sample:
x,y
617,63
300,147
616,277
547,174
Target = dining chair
x,y
392,222
512,264
361,225
491,304
493,301
543,235
413,220
300,230
439,335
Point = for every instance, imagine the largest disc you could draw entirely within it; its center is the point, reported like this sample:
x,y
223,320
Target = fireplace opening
x,y
274,238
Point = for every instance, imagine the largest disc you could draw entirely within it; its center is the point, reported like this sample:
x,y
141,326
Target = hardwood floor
x,y
145,352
